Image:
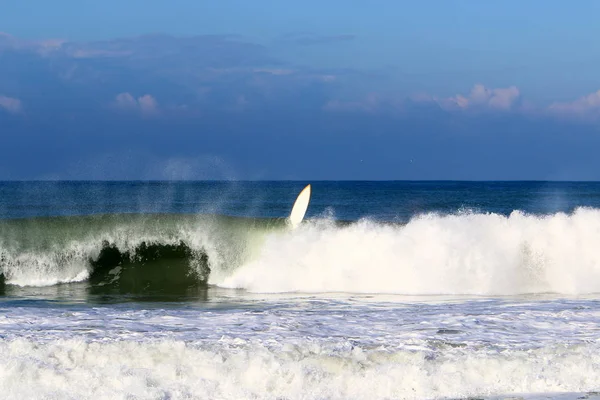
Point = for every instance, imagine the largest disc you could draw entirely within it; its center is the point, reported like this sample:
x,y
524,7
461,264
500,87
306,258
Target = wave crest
x,y
464,253
128,253
467,253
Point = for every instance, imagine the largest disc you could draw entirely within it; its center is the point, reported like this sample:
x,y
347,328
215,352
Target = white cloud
x,y
10,104
586,106
126,101
481,97
146,104
42,47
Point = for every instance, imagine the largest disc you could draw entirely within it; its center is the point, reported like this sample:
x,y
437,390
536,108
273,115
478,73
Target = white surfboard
x,y
299,208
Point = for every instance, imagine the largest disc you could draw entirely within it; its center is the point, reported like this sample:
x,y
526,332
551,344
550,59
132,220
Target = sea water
x,y
388,290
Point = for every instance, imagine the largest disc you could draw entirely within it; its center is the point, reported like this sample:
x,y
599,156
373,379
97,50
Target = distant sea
x,y
387,290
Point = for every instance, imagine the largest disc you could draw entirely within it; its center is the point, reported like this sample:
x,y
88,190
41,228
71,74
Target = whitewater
x,y
441,297
461,253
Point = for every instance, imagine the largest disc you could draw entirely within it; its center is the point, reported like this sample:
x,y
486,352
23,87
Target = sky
x,y
335,90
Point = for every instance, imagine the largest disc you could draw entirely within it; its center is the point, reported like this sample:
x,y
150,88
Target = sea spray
x,y
131,247
462,253
458,253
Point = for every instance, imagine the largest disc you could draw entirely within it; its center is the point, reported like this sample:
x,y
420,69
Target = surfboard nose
x,y
300,206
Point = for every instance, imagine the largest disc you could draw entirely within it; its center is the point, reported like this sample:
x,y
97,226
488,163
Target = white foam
x,y
467,253
300,348
239,369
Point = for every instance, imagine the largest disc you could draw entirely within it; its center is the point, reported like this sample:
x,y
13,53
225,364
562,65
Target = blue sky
x,y
244,90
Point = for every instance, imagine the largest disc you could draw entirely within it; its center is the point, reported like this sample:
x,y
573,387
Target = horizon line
x,y
294,180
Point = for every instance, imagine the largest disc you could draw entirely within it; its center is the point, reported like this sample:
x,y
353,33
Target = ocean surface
x,y
387,290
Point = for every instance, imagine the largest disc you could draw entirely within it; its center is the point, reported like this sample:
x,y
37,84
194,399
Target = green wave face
x,y
128,253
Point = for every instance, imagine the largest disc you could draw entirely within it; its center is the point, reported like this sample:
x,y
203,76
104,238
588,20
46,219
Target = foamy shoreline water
x,y
302,347
312,370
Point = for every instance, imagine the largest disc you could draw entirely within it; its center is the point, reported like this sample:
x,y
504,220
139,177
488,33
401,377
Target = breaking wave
x,y
126,253
462,253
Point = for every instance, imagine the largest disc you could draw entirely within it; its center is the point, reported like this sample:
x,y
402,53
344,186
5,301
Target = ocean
x,y
387,290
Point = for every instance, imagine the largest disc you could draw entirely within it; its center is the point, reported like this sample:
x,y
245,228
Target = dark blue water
x,y
394,201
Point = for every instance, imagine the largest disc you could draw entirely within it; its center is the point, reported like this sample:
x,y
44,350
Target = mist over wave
x,y
460,253
131,252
